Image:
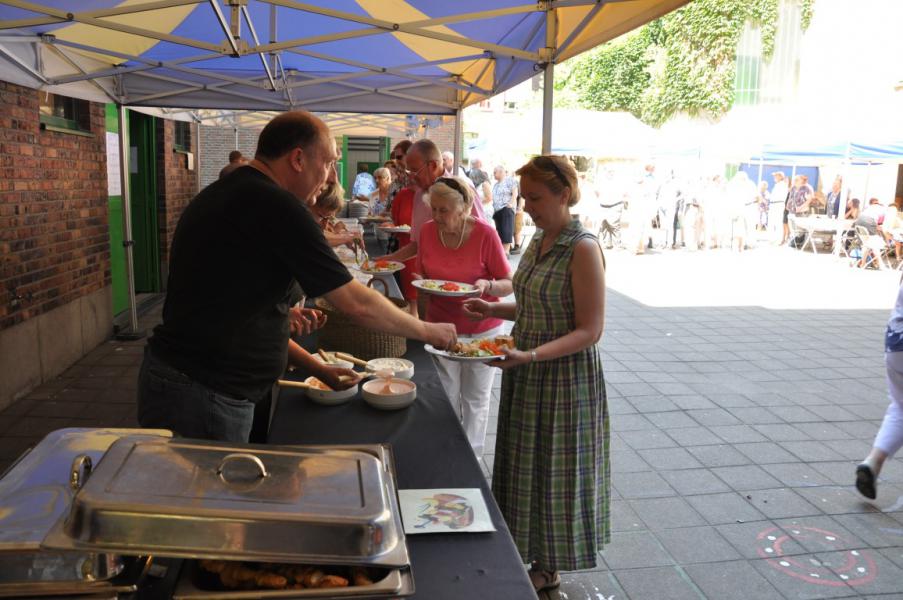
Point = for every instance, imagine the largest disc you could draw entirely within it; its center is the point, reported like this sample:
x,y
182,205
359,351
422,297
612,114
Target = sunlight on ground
x,y
769,276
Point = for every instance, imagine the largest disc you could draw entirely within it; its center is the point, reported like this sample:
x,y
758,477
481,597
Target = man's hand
x,y
338,378
303,321
441,335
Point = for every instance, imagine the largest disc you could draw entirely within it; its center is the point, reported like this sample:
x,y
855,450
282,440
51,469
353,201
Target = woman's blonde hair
x,y
331,197
453,188
555,172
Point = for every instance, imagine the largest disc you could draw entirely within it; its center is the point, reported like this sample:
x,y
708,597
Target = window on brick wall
x,y
62,112
182,137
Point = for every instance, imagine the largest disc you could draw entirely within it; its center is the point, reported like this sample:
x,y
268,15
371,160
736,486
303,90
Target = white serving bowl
x,y
403,394
335,362
403,368
331,397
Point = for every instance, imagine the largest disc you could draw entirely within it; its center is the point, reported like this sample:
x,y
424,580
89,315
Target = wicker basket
x,y
341,334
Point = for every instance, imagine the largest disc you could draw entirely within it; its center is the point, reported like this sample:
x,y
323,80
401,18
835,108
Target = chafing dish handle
x,y
80,470
243,456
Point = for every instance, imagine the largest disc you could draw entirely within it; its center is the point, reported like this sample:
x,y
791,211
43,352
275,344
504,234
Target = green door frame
x,y
118,275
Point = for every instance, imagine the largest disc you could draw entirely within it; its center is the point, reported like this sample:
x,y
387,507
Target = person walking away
x,y
551,476
890,435
235,160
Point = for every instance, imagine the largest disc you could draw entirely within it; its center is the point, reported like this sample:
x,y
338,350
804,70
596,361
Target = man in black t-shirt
x,y
238,249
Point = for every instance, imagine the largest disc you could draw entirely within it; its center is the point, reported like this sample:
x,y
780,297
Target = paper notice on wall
x,y
114,169
189,157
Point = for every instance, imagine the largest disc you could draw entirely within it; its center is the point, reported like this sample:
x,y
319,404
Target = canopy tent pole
x,y
841,205
127,242
458,148
547,55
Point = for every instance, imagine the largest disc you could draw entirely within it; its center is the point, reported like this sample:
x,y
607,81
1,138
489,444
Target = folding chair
x,y
873,245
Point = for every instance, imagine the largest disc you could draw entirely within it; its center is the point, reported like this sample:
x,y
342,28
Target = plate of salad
x,y
441,287
475,349
381,267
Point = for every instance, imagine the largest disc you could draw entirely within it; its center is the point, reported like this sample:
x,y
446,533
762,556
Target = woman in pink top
x,y
455,246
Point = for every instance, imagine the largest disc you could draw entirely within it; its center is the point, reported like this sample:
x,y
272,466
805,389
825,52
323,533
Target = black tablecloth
x,y
431,451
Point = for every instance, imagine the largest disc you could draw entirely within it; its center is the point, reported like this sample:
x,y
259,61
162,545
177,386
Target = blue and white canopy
x,y
360,56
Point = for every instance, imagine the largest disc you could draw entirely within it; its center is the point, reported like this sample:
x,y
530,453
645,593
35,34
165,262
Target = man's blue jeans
x,y
169,399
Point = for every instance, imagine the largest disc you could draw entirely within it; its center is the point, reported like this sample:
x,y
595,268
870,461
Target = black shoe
x,y
515,250
865,481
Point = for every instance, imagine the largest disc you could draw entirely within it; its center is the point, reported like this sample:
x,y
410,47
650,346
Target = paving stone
x,y
719,509
672,419
796,587
587,584
780,503
696,545
694,481
746,477
819,534
829,412
755,415
713,416
651,583
628,461
823,431
630,423
694,436
624,518
669,458
781,433
651,438
762,453
798,475
735,580
880,530
835,500
635,550
693,402
722,455
737,434
641,485
812,451
664,513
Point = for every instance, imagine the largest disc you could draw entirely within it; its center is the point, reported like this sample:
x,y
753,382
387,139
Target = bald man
x,y
238,250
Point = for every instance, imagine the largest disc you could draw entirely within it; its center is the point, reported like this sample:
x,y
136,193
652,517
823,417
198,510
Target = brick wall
x,y
176,185
215,145
54,239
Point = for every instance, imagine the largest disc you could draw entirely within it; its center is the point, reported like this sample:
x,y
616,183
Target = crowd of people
x,y
674,212
262,235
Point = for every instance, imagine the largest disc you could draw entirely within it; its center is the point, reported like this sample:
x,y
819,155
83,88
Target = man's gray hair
x,y
427,149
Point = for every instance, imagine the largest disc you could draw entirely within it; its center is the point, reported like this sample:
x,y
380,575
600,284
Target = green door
x,y
143,189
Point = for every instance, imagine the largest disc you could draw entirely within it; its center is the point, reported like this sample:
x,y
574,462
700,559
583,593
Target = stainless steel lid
x,y
241,502
36,492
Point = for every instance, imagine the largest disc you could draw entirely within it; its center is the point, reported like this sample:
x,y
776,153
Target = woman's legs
x,y
890,436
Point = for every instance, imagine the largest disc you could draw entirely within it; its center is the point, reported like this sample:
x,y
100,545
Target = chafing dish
x,y
35,494
278,504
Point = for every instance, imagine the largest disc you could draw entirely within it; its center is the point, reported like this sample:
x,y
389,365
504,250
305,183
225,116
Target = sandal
x,y
543,580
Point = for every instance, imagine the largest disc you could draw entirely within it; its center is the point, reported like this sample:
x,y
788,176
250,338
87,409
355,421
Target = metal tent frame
x,y
373,56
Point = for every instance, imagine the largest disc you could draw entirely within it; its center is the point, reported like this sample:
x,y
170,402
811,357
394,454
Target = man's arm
x,y
403,254
368,308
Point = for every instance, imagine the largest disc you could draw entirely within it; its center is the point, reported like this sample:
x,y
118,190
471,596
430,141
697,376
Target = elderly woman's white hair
x,y
453,188
382,172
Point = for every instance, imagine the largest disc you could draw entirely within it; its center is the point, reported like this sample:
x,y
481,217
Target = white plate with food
x,y
374,219
396,229
441,287
380,267
401,367
475,349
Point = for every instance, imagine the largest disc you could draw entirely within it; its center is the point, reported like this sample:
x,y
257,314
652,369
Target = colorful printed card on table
x,y
457,510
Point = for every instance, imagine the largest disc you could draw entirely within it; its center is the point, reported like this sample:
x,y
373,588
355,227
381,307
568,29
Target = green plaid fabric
x,y
552,474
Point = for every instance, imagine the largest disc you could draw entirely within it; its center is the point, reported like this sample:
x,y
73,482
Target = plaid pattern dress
x,y
552,473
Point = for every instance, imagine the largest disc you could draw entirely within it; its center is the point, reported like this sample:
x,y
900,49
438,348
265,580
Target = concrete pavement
x,y
736,429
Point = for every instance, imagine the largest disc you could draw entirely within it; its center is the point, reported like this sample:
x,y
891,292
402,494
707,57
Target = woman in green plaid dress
x,y
551,473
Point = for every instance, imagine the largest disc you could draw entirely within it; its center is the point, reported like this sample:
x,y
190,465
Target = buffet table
x,y
431,451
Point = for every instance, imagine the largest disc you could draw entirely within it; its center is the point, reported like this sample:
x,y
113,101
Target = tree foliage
x,y
685,61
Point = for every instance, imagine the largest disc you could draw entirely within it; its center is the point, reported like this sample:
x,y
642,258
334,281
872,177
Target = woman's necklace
x,y
460,239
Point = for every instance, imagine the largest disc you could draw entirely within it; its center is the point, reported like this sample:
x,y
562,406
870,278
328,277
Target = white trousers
x,y
890,436
469,389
